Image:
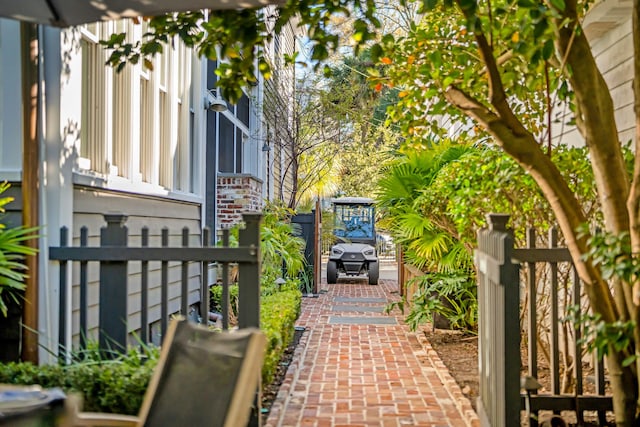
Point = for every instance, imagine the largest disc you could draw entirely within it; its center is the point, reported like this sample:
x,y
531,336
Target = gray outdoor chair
x,y
203,378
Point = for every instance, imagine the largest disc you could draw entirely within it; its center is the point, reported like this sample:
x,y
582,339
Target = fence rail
x,y
114,256
537,260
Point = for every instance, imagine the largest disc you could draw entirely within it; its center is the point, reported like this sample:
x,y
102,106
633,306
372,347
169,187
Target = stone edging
x,y
461,401
284,392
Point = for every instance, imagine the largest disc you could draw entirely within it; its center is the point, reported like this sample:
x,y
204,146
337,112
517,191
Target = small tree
x,y
304,141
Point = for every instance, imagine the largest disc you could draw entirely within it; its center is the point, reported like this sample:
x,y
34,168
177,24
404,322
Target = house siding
x,y
613,52
279,117
152,212
614,56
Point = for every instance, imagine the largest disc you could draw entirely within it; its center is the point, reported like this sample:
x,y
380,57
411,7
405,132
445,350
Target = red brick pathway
x,y
349,371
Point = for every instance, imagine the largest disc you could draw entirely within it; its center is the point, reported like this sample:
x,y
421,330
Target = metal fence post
x,y
113,287
249,294
204,289
63,328
249,274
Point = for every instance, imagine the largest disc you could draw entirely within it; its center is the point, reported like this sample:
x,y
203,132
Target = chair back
x,y
204,377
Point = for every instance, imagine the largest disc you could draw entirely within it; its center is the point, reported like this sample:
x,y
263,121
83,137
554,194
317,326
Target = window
x,y
242,110
93,131
166,154
233,131
183,161
147,149
137,125
226,146
121,117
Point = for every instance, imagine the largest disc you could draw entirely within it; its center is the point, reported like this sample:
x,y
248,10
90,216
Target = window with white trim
x,y
122,111
147,147
183,161
93,132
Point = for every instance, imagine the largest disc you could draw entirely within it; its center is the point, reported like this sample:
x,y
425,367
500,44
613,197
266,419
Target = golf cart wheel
x,y
332,272
374,272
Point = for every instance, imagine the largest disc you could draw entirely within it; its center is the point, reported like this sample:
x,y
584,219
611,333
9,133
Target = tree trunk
x,y
633,203
619,200
624,387
597,124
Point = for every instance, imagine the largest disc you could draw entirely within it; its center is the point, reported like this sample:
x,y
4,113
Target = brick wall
x,y
237,193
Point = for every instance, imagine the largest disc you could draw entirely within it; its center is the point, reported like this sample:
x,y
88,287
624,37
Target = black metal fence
x,y
503,387
113,256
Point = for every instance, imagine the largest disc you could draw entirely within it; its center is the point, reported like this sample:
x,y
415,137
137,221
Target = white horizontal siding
x,y
613,52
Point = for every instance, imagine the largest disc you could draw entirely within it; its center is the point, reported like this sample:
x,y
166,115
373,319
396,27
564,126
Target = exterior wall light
x,y
213,103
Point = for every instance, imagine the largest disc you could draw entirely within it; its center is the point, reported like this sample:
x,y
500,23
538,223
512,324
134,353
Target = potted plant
x,y
12,276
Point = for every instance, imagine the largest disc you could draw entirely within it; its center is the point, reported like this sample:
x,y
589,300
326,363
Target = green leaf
x,y
467,5
429,4
376,52
547,50
540,27
326,71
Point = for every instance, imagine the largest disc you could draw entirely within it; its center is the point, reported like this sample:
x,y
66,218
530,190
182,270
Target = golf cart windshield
x,y
354,221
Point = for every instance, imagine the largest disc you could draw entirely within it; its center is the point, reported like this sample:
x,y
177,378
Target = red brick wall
x,y
237,194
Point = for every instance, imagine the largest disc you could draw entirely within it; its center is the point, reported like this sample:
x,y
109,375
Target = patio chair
x,y
203,378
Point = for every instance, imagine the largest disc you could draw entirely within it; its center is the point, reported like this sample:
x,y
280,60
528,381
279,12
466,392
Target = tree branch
x,y
527,152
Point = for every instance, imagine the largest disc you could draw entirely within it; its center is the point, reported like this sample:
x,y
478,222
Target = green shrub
x,y
216,299
277,319
106,386
12,257
434,200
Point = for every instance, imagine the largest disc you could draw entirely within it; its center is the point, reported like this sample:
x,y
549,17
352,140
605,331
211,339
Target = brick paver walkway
x,y
357,366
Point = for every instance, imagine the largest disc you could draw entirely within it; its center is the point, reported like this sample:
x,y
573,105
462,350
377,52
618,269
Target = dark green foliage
x,y
231,37
453,296
216,298
436,198
106,386
277,319
282,251
12,253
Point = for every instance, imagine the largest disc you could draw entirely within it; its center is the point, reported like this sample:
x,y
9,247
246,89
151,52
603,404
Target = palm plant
x,y
12,254
429,238
279,244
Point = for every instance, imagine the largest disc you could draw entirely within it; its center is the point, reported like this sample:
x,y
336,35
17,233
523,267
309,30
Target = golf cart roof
x,y
352,201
